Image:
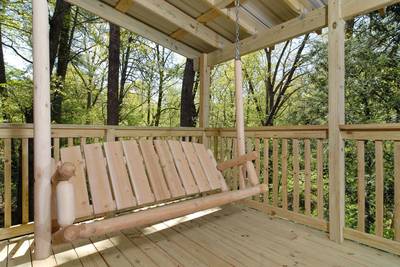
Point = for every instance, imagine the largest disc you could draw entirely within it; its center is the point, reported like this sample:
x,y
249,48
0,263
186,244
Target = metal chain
x,y
237,40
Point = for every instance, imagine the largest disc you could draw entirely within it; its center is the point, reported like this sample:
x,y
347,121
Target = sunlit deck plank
x,y
159,256
109,252
88,254
66,255
19,252
233,236
134,255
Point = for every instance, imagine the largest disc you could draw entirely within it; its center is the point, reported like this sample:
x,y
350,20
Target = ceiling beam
x,y
112,15
310,22
352,8
184,21
227,9
123,5
314,20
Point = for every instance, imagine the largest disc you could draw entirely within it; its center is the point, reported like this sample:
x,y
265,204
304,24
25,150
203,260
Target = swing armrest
x,y
237,161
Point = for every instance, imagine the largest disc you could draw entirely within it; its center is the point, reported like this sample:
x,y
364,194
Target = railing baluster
x,y
320,179
266,169
361,185
379,188
56,149
25,180
307,176
397,191
296,170
257,149
7,182
70,141
216,149
275,167
284,173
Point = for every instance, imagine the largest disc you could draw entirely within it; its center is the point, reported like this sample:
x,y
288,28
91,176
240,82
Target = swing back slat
x,y
128,174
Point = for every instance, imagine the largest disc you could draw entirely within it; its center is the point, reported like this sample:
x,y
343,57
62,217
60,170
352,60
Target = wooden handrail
x,y
237,161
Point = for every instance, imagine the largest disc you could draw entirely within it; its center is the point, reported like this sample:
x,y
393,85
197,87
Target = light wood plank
x,y
154,171
159,256
284,173
132,253
168,166
379,188
361,185
320,179
56,149
208,167
109,13
307,176
7,182
65,255
82,205
224,186
184,21
70,141
195,167
98,179
275,174
19,252
296,172
258,160
137,172
88,254
183,168
121,185
25,180
336,73
109,252
193,248
266,169
397,191
170,247
124,5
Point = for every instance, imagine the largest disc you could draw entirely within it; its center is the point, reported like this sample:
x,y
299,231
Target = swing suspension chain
x,y
237,40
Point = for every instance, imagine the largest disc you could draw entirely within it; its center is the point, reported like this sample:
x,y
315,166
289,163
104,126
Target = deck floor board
x,y
232,236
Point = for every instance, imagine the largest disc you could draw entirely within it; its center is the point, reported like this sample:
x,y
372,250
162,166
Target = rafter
x,y
312,21
182,20
225,7
112,15
123,5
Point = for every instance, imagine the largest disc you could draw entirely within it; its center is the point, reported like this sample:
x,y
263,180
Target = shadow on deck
x,y
233,236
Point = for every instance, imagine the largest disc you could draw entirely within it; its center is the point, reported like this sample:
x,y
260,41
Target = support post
x,y
42,128
204,95
336,61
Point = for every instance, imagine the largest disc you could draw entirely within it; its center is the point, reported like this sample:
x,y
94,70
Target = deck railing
x,y
293,161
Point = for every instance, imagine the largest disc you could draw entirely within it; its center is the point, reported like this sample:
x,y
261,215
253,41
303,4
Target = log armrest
x,y
63,172
237,161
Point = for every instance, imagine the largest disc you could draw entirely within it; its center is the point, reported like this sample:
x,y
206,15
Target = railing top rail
x,y
371,127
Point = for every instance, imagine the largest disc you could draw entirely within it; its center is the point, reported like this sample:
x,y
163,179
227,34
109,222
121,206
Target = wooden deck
x,y
233,236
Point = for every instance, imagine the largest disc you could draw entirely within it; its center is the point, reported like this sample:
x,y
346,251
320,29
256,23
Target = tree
x,y
113,75
281,72
188,113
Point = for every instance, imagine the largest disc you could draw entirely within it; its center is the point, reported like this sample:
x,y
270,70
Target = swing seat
x,y
128,184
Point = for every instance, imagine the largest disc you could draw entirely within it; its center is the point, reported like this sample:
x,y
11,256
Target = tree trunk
x,y
113,75
56,26
62,65
3,78
188,108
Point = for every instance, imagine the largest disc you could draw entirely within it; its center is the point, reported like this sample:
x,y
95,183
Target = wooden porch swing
x,y
133,184
169,179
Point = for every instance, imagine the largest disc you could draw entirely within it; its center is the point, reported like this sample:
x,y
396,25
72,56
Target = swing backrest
x,y
126,174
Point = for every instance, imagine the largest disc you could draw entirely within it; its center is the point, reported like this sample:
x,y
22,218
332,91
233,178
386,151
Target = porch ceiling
x,y
191,28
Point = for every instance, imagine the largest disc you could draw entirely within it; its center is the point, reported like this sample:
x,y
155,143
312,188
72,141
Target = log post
x,y
336,62
204,95
42,128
